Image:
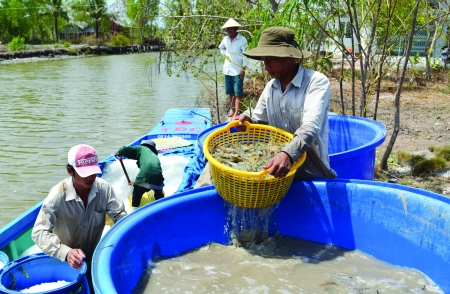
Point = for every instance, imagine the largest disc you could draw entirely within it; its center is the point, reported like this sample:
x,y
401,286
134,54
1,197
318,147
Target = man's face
x,y
231,31
278,67
78,181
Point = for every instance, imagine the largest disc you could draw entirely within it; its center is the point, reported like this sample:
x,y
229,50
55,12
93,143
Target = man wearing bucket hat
x,y
297,101
232,47
150,177
72,217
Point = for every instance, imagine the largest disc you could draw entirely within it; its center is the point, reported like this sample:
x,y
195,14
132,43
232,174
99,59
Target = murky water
x,y
256,263
280,265
49,106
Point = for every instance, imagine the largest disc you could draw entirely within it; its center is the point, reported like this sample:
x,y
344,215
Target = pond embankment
x,y
45,52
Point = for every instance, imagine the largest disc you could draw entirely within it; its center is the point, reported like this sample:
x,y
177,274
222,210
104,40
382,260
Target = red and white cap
x,y
84,160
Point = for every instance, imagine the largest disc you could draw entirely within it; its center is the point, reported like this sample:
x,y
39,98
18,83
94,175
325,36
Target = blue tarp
x,y
192,171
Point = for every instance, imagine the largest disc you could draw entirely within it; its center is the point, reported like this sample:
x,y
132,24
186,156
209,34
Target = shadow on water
x,y
147,272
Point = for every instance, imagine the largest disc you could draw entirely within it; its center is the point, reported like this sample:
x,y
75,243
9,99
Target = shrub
x,y
17,44
90,40
72,51
443,152
427,166
120,41
67,44
56,45
404,156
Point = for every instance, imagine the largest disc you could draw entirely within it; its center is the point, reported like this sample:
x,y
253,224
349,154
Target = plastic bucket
x,y
397,224
4,259
352,143
37,269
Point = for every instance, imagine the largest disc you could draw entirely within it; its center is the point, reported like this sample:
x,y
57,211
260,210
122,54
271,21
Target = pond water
x,y
280,265
50,106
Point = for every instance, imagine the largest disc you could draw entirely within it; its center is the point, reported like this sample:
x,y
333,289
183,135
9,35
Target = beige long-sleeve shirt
x,y
64,223
302,110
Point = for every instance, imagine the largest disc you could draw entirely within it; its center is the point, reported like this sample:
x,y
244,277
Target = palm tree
x,y
56,10
91,9
96,11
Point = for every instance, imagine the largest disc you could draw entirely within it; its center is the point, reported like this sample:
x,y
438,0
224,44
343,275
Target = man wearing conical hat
x,y
232,47
297,101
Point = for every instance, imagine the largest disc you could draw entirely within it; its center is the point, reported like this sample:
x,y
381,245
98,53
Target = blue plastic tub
x,y
399,225
40,268
352,143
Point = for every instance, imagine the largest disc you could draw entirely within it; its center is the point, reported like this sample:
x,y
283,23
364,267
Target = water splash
x,y
247,227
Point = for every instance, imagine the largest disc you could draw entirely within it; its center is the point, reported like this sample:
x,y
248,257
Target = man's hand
x,y
280,165
241,118
242,74
75,258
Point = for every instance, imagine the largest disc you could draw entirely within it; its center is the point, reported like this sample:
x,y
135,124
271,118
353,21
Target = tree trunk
x,y
56,29
96,29
274,5
387,153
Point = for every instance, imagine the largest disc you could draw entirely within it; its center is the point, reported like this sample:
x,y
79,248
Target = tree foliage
x,y
56,9
120,41
90,11
142,14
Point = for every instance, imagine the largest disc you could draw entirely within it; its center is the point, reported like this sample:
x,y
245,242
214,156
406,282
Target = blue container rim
x,y
4,258
378,127
19,263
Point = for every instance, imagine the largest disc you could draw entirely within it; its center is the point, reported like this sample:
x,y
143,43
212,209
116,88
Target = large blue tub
x,y
352,143
400,225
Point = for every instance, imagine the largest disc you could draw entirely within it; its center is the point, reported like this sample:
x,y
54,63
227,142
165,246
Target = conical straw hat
x,y
231,23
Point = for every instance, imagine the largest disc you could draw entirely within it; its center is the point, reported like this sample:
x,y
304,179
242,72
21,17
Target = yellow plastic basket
x,y
242,188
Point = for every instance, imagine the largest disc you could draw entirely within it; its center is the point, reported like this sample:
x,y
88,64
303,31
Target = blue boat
x,y
186,123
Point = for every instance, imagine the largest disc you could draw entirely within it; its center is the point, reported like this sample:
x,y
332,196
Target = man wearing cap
x,y
72,217
297,101
232,47
150,176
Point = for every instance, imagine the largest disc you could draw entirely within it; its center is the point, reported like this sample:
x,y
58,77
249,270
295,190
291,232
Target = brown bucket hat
x,y
277,42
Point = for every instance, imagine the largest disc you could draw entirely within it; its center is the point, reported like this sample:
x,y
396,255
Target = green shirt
x,y
150,171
